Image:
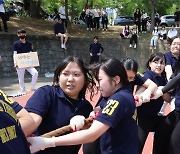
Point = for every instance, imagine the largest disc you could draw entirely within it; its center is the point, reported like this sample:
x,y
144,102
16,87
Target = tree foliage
x,y
35,8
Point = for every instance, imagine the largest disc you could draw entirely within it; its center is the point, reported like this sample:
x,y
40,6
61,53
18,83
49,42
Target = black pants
x,y
167,138
2,15
96,22
104,23
145,126
133,38
144,25
94,59
89,22
65,22
138,23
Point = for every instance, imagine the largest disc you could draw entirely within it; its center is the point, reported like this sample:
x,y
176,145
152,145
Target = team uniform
x,y
12,138
170,60
20,47
92,148
56,110
59,28
95,49
168,137
117,112
147,113
138,80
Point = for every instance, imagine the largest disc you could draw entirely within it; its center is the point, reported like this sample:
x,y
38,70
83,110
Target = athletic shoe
x,y
154,47
62,46
134,46
130,45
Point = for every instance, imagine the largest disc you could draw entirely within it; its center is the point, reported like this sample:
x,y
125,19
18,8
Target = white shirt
x,y
96,13
162,32
89,12
2,8
144,15
62,12
172,33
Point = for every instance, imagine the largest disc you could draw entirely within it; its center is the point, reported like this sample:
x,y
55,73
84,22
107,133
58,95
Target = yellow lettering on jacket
x,y
8,133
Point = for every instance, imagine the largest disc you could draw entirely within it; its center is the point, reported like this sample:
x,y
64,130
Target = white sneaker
x,y
91,29
134,46
154,47
87,28
130,45
62,45
151,47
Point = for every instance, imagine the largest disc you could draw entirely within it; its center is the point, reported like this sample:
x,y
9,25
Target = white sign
x,y
25,60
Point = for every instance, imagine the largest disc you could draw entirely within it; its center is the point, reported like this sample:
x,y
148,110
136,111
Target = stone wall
x,y
50,53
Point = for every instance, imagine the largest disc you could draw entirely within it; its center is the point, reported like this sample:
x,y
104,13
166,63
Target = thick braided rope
x,y
65,129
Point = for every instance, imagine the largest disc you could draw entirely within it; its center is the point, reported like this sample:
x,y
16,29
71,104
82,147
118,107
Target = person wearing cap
x,y
60,32
24,46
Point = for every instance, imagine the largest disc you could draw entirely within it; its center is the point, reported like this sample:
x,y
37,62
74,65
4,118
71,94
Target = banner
x,y
25,60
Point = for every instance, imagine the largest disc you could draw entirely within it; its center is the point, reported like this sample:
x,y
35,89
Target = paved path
x,y
11,86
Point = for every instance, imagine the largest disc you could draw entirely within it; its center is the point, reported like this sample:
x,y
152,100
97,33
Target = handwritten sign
x,y
25,60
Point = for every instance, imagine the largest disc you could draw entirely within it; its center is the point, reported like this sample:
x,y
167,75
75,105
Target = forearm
x,y
26,122
171,84
14,56
150,85
83,136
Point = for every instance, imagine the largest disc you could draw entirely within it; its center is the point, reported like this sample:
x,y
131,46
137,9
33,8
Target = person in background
x,y
134,36
162,33
136,79
97,15
172,33
171,61
89,18
62,14
114,126
147,113
171,57
144,21
154,39
11,10
60,32
137,18
177,17
168,138
52,107
157,20
104,19
3,16
24,46
95,50
126,32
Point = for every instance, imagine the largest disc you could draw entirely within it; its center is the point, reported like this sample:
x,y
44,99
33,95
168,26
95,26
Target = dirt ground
x,y
44,27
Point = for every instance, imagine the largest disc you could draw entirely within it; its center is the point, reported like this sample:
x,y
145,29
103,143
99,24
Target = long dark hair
x,y
155,57
130,65
89,80
113,67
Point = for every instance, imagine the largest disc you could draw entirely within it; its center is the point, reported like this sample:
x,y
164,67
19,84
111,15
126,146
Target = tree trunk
x,y
33,8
